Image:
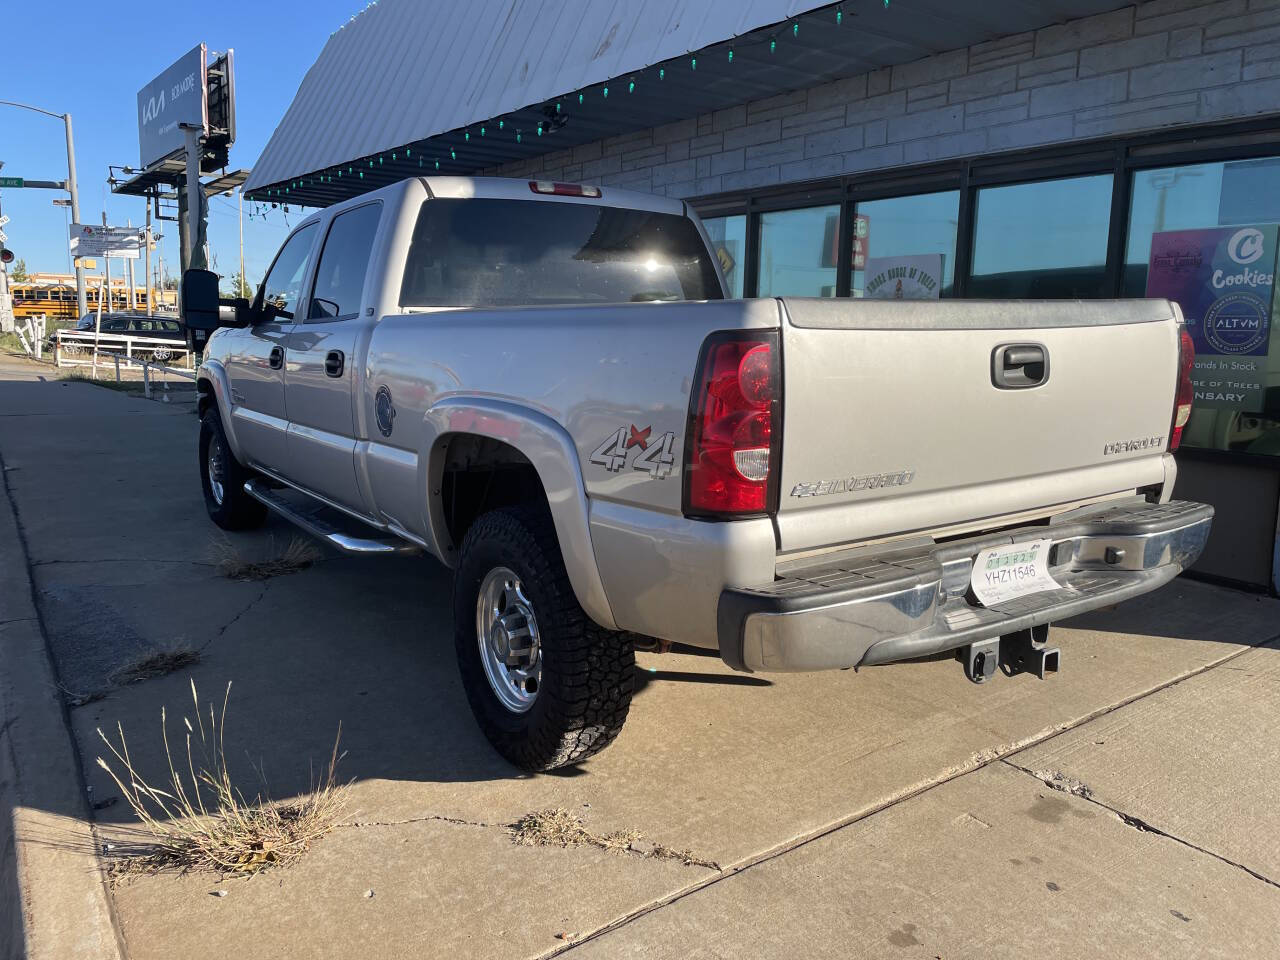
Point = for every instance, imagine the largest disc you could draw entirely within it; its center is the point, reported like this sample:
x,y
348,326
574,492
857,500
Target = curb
x,y
53,901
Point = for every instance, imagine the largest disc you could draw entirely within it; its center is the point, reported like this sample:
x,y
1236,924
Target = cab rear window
x,y
503,253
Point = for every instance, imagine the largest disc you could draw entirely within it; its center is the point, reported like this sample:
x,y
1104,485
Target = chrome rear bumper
x,y
880,605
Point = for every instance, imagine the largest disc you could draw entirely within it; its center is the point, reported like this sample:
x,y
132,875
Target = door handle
x,y
276,360
1017,366
334,363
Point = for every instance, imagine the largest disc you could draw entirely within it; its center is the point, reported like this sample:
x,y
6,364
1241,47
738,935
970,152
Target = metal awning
x,y
411,86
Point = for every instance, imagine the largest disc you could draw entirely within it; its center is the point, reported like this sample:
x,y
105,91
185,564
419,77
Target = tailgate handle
x,y
1017,366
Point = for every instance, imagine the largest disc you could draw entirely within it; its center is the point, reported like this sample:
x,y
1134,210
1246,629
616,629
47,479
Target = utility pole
x,y
146,238
244,282
81,301
133,292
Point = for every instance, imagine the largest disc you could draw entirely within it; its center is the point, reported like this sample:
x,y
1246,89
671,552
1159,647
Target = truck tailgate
x,y
893,420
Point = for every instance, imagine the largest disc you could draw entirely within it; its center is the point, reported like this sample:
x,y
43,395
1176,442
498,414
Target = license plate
x,y
1014,570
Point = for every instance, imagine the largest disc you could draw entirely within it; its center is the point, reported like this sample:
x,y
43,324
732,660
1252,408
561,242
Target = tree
x,y
240,287
19,272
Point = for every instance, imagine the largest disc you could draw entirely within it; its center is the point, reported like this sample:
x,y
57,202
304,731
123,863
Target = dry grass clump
x,y
300,554
200,820
156,664
560,828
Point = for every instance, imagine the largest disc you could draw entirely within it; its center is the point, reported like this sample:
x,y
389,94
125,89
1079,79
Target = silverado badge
x,y
384,410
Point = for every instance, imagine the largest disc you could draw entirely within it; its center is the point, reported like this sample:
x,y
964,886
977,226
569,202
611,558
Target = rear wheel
x,y
548,686
223,479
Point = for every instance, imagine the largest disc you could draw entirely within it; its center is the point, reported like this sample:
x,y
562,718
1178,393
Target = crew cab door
x,y
255,361
320,361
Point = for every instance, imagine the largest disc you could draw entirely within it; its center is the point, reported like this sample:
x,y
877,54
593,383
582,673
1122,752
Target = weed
x,y
232,564
560,828
156,664
224,832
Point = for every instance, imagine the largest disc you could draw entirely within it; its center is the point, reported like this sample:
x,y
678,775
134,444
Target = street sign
x,y
11,182
177,97
92,240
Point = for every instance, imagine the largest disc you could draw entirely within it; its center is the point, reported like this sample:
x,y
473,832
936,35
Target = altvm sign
x,y
175,99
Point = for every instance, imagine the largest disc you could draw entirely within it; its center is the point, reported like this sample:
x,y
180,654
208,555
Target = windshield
x,y
503,253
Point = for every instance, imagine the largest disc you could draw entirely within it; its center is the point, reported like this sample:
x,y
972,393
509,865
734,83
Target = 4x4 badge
x,y
384,410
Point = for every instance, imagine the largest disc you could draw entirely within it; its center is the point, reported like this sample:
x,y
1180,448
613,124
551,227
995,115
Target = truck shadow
x,y
364,645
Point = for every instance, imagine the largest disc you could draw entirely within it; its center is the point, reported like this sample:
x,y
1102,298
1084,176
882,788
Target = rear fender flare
x,y
546,445
215,374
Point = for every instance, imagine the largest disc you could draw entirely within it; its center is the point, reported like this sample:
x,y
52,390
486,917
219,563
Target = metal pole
x,y
106,269
6,317
193,194
128,263
244,281
147,275
81,301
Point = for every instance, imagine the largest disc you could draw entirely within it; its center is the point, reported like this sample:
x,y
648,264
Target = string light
x,y
693,64
795,28
606,93
773,44
631,87
731,54
662,73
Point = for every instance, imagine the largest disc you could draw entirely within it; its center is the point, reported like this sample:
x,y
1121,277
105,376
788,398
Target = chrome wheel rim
x,y
507,635
216,466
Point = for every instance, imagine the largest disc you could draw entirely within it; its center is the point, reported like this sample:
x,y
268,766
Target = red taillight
x,y
1186,392
564,189
732,448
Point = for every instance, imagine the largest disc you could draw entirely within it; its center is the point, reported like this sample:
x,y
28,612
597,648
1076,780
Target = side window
x,y
343,263
282,287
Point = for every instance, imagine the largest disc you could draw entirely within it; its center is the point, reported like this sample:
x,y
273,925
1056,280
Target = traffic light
x,y
6,255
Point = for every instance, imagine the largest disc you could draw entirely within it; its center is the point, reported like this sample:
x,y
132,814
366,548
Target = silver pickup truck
x,y
545,386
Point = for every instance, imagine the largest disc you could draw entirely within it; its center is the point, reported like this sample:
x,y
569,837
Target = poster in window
x,y
916,277
1223,278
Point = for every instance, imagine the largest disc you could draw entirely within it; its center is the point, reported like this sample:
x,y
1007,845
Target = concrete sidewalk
x,y
849,814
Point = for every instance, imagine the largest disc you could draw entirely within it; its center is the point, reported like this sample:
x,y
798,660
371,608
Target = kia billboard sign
x,y
172,100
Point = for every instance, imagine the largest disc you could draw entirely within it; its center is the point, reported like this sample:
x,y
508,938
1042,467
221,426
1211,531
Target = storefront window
x,y
728,237
1206,236
905,247
1042,241
799,250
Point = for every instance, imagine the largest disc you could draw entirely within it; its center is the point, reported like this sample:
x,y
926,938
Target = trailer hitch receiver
x,y
1026,651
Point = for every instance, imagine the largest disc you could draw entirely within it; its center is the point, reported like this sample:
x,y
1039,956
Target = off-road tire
x,y
588,672
238,510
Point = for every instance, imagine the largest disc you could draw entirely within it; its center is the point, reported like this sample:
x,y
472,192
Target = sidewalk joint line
x,y
1137,823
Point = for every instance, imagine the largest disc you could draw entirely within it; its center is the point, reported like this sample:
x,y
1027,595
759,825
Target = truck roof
x,y
518,189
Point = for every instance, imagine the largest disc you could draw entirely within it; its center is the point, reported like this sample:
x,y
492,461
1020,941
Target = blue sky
x,y
92,62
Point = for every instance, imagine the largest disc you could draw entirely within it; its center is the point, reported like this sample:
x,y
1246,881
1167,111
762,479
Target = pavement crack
x,y
1056,780
266,585
456,821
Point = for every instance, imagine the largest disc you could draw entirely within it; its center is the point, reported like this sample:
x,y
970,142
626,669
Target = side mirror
x,y
200,300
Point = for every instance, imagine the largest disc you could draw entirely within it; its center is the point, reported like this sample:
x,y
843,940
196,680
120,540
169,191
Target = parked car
x,y
545,386
133,324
